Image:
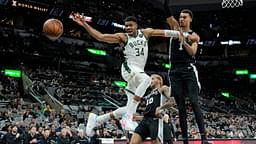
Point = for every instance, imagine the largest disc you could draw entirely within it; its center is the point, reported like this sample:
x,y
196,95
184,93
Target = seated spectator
x,y
65,136
32,136
12,137
81,138
45,138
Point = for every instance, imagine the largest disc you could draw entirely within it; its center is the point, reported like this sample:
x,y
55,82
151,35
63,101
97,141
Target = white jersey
x,y
136,50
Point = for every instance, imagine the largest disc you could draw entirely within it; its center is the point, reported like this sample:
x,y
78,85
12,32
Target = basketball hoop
x,y
231,3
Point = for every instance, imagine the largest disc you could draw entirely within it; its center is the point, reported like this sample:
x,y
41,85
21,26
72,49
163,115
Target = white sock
x,y
117,114
103,118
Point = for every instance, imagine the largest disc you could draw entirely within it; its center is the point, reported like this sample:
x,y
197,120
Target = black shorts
x,y
148,127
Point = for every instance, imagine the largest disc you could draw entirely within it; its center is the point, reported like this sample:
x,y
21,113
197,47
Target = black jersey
x,y
179,55
153,100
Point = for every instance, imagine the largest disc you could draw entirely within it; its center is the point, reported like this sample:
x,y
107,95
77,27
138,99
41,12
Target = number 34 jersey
x,y
153,100
136,50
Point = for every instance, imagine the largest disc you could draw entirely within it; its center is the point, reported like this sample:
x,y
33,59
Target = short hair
x,y
188,12
130,18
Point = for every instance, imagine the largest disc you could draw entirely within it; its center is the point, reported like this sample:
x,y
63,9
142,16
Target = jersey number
x,y
150,101
138,52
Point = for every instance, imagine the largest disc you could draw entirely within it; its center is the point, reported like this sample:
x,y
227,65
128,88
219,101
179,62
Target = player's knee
x,y
136,139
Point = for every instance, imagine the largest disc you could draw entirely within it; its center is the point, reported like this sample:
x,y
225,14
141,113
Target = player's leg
x,y
126,121
93,119
137,83
142,80
192,88
156,141
140,133
177,92
116,114
136,139
156,130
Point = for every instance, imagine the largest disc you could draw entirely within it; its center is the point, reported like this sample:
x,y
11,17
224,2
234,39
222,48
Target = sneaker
x,y
91,124
128,124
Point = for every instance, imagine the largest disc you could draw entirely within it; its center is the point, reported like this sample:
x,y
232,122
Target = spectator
x,y
45,138
65,136
32,136
12,137
81,139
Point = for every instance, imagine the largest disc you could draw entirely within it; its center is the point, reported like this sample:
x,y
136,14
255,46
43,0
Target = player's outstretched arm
x,y
109,38
149,32
172,22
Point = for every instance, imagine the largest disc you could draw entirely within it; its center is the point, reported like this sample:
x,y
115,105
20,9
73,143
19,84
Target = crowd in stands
x,y
23,122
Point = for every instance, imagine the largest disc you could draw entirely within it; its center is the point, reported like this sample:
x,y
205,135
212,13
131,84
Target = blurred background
x,y
59,81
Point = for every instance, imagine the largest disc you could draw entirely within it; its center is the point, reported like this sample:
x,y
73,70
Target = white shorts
x,y
129,71
133,75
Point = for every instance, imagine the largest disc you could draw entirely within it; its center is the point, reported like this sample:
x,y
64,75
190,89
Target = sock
x,y
103,118
117,114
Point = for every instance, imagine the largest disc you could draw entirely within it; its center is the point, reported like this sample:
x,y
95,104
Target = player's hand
x,y
194,37
79,19
164,88
159,112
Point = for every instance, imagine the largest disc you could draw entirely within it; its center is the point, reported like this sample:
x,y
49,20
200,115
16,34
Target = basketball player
x,y
135,42
184,76
152,122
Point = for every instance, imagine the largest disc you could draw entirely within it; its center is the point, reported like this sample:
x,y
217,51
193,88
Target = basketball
x,y
53,28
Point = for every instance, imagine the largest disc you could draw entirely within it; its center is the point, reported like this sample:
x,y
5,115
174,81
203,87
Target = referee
x,y
183,75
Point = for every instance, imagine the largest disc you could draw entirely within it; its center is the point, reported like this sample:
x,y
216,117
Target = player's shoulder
x,y
147,32
123,37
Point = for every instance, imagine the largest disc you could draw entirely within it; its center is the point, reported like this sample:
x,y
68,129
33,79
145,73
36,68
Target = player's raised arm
x,y
172,22
109,38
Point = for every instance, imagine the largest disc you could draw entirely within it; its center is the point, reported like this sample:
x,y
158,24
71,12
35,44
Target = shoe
x,y
127,124
91,124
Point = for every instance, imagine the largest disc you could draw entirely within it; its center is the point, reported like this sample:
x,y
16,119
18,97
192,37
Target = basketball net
x,y
231,3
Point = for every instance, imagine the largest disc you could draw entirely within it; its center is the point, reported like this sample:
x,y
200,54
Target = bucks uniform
x,y
151,126
136,54
184,83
